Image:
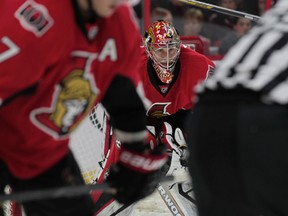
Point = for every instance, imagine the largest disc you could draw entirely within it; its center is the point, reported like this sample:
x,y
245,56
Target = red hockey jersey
x,y
190,69
45,89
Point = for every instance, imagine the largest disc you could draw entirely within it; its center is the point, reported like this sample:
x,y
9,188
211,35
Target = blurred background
x,y
218,32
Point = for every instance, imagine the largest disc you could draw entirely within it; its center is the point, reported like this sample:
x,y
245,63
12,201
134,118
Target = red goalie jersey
x,y
45,90
173,98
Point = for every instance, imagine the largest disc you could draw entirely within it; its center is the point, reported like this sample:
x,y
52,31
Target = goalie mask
x,y
162,44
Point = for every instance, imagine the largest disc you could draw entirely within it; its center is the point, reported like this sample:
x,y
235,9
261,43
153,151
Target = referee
x,y
238,133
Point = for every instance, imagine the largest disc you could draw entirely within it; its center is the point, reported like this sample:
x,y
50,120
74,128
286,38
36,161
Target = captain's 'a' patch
x,y
34,17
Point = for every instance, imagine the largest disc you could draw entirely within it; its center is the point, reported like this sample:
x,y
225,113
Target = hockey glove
x,y
137,172
175,141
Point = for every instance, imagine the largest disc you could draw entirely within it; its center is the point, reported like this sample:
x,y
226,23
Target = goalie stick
x,y
177,197
67,191
222,10
169,200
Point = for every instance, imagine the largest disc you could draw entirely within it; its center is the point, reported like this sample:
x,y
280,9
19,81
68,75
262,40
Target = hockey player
x,y
238,131
169,73
53,70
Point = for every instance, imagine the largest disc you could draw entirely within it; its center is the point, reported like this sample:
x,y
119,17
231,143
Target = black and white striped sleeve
x,y
259,60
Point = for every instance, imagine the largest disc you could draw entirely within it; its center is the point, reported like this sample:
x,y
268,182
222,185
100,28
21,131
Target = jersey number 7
x,y
10,49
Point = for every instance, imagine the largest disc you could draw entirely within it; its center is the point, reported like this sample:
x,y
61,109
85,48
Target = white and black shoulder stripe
x,y
259,61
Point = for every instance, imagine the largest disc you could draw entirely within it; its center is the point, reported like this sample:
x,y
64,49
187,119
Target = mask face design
x,y
162,44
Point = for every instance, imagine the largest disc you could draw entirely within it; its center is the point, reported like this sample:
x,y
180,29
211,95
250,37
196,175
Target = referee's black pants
x,y
239,155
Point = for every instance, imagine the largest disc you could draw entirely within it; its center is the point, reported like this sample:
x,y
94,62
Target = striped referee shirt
x,y
259,61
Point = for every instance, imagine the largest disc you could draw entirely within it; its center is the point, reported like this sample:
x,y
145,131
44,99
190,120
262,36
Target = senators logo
x,y
158,110
72,100
34,17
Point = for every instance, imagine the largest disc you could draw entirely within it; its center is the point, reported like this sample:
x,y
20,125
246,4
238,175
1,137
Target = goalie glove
x,y
176,142
137,172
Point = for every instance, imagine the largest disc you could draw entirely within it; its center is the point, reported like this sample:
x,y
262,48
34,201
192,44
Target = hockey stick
x,y
67,191
222,10
169,200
